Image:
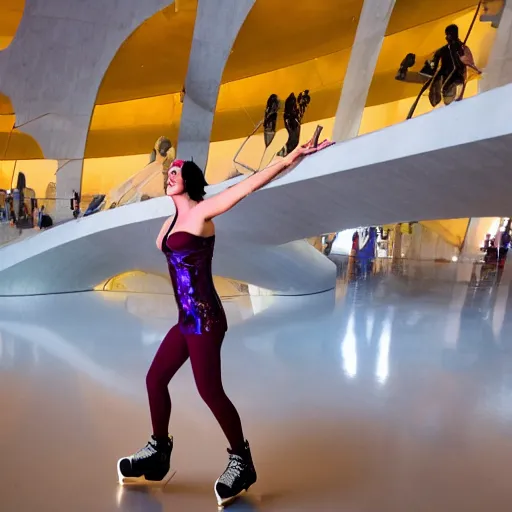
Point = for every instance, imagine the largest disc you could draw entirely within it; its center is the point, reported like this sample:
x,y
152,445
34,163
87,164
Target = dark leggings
x,y
204,353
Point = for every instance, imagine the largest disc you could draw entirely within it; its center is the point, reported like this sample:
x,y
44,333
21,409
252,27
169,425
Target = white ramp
x,y
451,163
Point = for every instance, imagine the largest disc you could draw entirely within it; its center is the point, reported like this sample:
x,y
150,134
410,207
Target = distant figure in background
x,y
505,242
45,221
4,217
35,215
40,217
487,242
491,254
75,204
163,153
21,185
16,205
270,119
148,178
355,243
11,208
292,125
294,110
449,68
303,101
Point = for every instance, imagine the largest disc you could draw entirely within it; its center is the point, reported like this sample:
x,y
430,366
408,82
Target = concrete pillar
x,y
416,246
370,33
499,67
53,68
68,179
397,243
217,25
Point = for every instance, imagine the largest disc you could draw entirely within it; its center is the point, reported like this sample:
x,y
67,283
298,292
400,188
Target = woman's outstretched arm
x,y
228,198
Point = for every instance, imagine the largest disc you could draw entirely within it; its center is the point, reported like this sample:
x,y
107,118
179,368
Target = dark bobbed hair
x,y
193,178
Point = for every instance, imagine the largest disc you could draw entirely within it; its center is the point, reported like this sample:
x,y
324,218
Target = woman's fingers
x,y
308,149
325,144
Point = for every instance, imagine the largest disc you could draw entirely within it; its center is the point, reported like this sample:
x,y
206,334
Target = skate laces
x,y
233,471
146,452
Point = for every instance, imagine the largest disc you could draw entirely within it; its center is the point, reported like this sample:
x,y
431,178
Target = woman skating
x,y
188,240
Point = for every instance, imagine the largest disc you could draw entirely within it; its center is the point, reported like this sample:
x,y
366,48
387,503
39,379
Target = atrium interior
x,y
365,284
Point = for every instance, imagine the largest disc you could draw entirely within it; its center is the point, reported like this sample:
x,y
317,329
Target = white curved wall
x,y
54,67
80,254
54,97
451,163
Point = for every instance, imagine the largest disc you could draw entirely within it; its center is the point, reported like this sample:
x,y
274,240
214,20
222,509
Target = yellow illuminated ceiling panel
x,y
452,231
280,33
139,98
11,12
277,33
241,103
14,144
153,61
131,127
282,47
410,13
6,107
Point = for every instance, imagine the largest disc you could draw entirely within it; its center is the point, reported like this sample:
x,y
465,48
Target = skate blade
x,y
141,480
221,503
228,501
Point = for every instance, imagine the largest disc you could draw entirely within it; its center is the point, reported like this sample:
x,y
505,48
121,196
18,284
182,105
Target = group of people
x,y
14,206
21,211
495,252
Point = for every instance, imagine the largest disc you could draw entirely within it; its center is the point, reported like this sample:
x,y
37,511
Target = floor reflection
x,y
390,393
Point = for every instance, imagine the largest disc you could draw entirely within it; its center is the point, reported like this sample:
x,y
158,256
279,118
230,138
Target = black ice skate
x,y
238,477
149,466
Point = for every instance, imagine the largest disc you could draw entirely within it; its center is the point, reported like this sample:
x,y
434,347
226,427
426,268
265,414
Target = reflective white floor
x,y
390,395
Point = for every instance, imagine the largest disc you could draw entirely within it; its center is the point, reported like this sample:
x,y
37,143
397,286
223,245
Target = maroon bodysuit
x,y
198,335
189,259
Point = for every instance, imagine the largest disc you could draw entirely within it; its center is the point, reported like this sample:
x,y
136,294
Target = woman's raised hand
x,y
307,149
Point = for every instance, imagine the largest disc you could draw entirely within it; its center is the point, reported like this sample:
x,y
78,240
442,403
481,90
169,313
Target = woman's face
x,y
175,183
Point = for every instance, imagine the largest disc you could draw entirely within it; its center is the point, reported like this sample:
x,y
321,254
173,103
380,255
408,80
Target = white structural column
x,y
371,30
217,25
54,67
499,68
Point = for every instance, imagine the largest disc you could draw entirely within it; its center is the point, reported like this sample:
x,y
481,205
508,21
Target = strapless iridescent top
x,y
190,266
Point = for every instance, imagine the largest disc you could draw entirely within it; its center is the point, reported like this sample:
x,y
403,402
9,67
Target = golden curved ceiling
x,y
283,46
406,16
14,144
6,107
241,103
11,12
276,34
153,61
